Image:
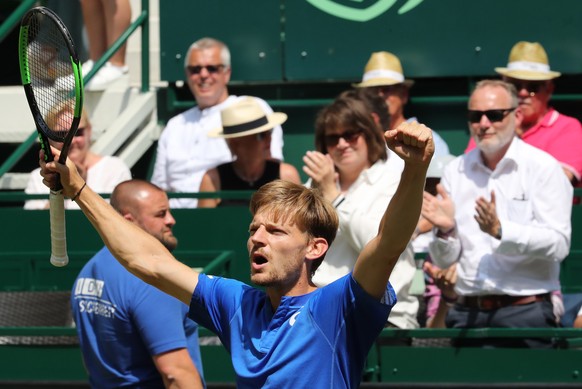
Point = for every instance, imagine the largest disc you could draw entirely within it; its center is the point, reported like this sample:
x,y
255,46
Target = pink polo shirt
x,y
558,135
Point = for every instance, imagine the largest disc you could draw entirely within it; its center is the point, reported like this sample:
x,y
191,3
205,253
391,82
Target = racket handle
x,y
59,255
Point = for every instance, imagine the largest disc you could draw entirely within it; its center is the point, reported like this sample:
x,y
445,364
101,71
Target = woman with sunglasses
x,y
247,132
354,171
102,173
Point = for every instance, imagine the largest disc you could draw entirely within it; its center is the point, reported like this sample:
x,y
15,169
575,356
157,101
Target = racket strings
x,y
51,76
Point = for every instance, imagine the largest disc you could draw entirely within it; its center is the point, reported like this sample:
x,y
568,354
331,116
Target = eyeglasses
x,y
80,132
212,69
350,136
493,115
532,87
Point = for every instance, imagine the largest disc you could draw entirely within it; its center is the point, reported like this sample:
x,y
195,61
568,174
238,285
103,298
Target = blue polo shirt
x,y
122,322
318,340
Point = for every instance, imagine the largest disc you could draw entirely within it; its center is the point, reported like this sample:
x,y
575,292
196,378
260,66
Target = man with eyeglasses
x,y
185,152
542,126
502,214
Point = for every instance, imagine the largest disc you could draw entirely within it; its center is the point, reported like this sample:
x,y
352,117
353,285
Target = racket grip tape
x,y
59,255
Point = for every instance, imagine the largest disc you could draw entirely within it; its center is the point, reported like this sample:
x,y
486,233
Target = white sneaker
x,y
106,75
87,67
66,82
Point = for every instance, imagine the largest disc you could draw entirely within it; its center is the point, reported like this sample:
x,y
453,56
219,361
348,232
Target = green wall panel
x,y
252,30
436,38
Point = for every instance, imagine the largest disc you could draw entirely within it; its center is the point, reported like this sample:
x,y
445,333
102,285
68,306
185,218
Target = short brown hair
x,y
376,104
297,204
352,113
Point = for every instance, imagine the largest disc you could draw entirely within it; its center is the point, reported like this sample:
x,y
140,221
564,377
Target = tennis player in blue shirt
x,y
292,334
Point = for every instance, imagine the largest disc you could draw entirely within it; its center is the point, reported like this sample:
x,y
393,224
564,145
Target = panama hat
x,y
383,68
246,117
528,61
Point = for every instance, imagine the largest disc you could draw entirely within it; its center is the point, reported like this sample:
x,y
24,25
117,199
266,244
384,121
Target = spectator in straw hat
x,y
528,69
247,131
185,151
384,74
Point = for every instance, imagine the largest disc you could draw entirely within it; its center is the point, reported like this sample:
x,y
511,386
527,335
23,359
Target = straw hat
x,y
528,61
383,68
246,117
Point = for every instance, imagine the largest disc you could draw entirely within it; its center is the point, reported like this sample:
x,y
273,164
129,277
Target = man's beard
x,y
170,243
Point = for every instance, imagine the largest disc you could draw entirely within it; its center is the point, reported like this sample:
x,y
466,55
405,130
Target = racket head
x,y
51,75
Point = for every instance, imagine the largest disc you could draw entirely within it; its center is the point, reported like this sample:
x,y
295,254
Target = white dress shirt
x,y
185,151
534,205
360,210
103,177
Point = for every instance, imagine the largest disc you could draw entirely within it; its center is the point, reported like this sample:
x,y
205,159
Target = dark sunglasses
x,y
80,131
532,87
350,136
494,115
209,68
387,90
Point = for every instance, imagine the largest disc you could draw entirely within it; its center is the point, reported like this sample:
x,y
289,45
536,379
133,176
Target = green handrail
x,y
482,333
5,29
420,100
142,20
233,194
14,18
221,262
229,194
38,331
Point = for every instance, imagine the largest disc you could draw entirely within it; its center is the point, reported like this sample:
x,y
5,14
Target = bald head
x,y
128,194
147,206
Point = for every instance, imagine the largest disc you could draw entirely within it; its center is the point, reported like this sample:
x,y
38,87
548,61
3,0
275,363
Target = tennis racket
x,y
51,76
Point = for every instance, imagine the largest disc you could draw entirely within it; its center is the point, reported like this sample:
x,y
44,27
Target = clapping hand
x,y
321,169
440,211
487,216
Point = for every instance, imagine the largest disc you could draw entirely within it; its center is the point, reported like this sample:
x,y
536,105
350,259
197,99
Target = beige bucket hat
x,y
383,68
528,61
246,117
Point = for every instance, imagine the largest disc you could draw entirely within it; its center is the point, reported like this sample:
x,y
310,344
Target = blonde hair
x,y
296,204
54,116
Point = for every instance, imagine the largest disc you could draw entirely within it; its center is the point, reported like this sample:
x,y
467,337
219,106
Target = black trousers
x,y
534,315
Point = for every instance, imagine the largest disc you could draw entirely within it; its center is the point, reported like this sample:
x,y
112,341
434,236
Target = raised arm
x,y
413,143
139,252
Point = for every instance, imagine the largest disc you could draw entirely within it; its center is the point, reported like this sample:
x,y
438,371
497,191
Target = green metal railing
x,y
142,21
14,18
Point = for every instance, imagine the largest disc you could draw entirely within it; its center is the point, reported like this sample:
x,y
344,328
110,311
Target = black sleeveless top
x,y
230,181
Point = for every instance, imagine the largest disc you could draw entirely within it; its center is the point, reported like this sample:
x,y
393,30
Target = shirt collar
x,y
374,172
474,158
218,107
549,118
